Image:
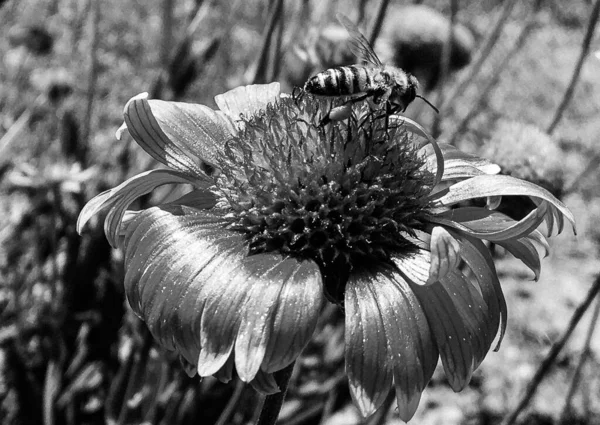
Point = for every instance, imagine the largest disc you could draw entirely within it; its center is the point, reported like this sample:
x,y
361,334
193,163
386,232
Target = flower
x,y
368,213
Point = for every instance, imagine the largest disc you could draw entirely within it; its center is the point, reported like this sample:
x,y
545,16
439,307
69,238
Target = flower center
x,y
344,195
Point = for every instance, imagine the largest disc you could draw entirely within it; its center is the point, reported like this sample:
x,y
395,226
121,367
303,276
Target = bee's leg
x,y
297,94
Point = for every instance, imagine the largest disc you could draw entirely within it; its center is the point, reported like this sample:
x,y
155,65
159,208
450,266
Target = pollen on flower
x,y
344,195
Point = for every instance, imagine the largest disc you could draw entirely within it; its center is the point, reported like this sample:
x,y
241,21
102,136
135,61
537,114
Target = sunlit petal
x,y
368,362
183,136
120,198
479,260
453,314
266,309
247,100
444,254
295,317
411,349
492,225
459,164
486,185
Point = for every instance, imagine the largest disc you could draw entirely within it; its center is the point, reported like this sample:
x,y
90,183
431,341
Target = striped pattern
x,y
341,81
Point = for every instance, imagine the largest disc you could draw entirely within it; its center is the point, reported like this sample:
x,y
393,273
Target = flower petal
x,y
453,312
491,225
411,348
265,383
201,199
295,317
459,164
193,283
524,250
268,309
183,136
444,254
368,364
416,128
169,259
499,185
415,267
120,197
479,260
247,100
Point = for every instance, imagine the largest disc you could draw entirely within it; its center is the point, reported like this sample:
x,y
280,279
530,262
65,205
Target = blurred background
x,y
515,81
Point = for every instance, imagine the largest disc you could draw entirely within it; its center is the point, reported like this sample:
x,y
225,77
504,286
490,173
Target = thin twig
x,y
92,71
553,354
263,57
482,54
493,81
232,404
379,17
585,48
585,352
444,67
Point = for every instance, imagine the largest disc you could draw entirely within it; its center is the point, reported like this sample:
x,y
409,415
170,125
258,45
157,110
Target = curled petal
x,y
491,225
444,254
416,128
247,100
486,185
192,282
183,136
265,383
459,164
120,198
524,250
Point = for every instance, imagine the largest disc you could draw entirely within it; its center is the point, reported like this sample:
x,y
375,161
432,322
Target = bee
x,y
372,80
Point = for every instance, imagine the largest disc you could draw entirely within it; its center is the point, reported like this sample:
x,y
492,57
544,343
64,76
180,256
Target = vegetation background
x,y
71,352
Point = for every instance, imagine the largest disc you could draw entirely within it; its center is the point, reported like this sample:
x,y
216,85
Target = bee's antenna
x,y
429,103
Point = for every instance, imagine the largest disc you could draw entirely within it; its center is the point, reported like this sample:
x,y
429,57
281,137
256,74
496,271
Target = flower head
x,y
286,213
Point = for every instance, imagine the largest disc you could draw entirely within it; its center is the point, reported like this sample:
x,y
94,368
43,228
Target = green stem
x,y
272,405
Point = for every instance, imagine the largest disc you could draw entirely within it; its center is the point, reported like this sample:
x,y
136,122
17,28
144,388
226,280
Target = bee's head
x,y
405,95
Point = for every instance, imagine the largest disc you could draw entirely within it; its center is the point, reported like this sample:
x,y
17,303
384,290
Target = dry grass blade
x,y
232,403
379,17
276,57
585,48
444,67
584,356
553,353
260,74
92,71
482,54
167,30
483,95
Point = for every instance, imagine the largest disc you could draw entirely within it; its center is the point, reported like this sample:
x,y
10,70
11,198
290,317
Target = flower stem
x,y
272,405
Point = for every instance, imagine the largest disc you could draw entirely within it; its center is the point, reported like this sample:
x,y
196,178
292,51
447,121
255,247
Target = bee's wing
x,y
359,45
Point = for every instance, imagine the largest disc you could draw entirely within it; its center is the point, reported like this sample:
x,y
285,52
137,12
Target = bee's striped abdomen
x,y
340,81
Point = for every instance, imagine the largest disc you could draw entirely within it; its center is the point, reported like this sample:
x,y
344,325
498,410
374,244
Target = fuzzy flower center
x,y
345,194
